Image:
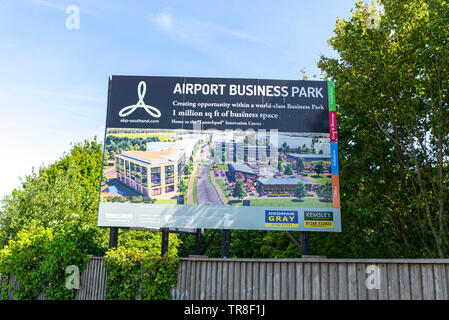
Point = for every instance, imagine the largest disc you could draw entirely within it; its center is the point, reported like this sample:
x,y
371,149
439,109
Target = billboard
x,y
220,153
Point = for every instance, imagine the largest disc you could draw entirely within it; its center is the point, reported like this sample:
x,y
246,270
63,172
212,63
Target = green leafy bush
x,y
135,275
39,257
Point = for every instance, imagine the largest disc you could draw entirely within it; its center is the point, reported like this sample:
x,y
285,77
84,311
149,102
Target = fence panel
x,y
322,279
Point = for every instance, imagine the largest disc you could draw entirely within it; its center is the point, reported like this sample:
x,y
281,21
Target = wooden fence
x,y
291,279
311,279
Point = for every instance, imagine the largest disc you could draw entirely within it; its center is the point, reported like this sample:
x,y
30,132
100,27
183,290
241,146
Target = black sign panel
x,y
217,103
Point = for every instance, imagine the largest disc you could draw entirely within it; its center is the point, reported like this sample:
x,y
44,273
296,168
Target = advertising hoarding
x,y
220,153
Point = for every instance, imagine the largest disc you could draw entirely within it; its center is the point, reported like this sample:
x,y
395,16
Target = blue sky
x,y
53,81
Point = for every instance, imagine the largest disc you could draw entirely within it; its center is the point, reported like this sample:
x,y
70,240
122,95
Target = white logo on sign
x,y
141,91
227,220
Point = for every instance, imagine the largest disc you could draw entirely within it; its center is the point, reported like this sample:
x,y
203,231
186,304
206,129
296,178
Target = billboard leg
x,y
113,238
164,244
305,243
225,242
198,242
208,242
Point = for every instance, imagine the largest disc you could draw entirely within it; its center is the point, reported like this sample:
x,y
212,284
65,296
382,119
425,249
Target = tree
x,y
300,164
280,166
239,190
288,170
57,195
183,186
325,191
285,147
106,157
314,141
188,168
391,87
300,191
319,167
63,195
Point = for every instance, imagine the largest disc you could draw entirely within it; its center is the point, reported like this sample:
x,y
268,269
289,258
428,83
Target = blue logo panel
x,y
281,218
334,158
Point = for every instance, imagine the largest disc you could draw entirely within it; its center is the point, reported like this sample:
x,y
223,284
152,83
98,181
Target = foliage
x,y
147,242
50,223
118,143
300,163
124,273
319,167
246,244
183,186
239,189
159,275
392,85
56,196
135,275
325,191
300,191
39,256
188,168
288,170
66,193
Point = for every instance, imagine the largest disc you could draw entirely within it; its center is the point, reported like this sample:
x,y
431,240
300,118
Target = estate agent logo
x,y
141,91
318,219
281,218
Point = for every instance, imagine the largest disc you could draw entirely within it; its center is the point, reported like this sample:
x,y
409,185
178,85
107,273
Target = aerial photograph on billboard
x,y
217,169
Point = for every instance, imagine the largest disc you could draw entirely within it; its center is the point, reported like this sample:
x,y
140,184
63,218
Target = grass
x,y
315,162
208,175
285,202
165,201
222,166
222,185
321,179
195,197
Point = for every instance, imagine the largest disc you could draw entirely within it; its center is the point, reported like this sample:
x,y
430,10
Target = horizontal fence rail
x,y
289,279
